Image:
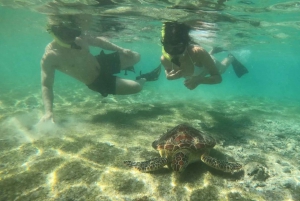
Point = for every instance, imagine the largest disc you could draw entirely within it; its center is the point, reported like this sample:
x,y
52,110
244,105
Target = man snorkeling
x,y
181,58
69,53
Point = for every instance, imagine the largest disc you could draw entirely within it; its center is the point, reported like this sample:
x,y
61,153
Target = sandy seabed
x,y
80,157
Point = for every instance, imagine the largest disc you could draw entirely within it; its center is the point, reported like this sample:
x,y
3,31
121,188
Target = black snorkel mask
x,y
66,35
65,32
175,40
174,49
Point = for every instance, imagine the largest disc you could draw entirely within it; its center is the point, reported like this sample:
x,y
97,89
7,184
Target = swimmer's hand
x,y
129,55
125,51
192,82
81,42
174,74
48,117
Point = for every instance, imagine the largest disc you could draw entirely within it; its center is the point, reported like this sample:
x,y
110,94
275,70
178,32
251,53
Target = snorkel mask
x,y
172,52
174,48
175,39
65,36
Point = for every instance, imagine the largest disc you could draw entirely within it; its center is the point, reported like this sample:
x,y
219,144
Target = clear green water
x,y
81,156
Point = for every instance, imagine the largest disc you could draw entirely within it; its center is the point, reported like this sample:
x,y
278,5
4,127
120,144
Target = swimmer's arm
x,y
47,81
171,74
203,58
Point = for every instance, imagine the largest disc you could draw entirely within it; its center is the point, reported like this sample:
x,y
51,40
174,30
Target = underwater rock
x,y
256,171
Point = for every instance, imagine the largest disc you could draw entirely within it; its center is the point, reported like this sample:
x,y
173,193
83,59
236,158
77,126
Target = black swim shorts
x,y
105,83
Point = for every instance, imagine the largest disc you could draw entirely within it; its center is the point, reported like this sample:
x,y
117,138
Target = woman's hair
x,y
175,32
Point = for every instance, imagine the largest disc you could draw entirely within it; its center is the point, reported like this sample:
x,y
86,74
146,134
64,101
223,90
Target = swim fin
x,y
151,76
238,67
131,69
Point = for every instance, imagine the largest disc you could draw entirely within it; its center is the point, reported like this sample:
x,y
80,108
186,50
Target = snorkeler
x,y
181,58
69,53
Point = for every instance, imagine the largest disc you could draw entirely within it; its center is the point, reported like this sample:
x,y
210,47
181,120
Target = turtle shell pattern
x,y
183,136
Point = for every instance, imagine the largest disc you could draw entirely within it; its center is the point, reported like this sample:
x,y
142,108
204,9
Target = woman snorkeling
x,y
181,58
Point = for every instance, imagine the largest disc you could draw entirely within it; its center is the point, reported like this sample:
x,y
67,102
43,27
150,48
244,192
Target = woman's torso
x,y
189,65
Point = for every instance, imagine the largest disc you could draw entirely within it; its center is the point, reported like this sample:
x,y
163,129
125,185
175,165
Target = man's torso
x,y
80,64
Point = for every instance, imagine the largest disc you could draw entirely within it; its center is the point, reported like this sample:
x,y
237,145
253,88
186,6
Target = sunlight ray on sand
x,y
22,131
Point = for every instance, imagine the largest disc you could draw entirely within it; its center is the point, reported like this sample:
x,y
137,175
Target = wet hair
x,y
175,33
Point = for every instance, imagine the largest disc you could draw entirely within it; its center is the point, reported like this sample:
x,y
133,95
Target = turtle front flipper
x,y
221,165
148,166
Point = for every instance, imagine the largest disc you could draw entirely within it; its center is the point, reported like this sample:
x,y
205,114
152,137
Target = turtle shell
x,y
183,136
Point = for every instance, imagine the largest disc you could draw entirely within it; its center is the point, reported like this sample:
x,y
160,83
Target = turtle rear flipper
x,y
148,166
221,165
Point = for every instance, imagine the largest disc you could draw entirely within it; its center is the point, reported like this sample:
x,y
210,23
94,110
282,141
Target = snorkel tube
x,y
164,53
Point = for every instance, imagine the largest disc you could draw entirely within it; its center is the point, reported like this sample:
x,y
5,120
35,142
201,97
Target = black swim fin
x,y
131,69
238,67
152,76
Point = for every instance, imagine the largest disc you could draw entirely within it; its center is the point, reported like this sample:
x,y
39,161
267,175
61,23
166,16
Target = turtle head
x,y
180,160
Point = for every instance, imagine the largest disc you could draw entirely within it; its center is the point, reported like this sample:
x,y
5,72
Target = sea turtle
x,y
181,146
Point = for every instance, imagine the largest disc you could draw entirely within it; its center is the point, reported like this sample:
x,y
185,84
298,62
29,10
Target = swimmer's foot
x,y
216,50
238,67
151,76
